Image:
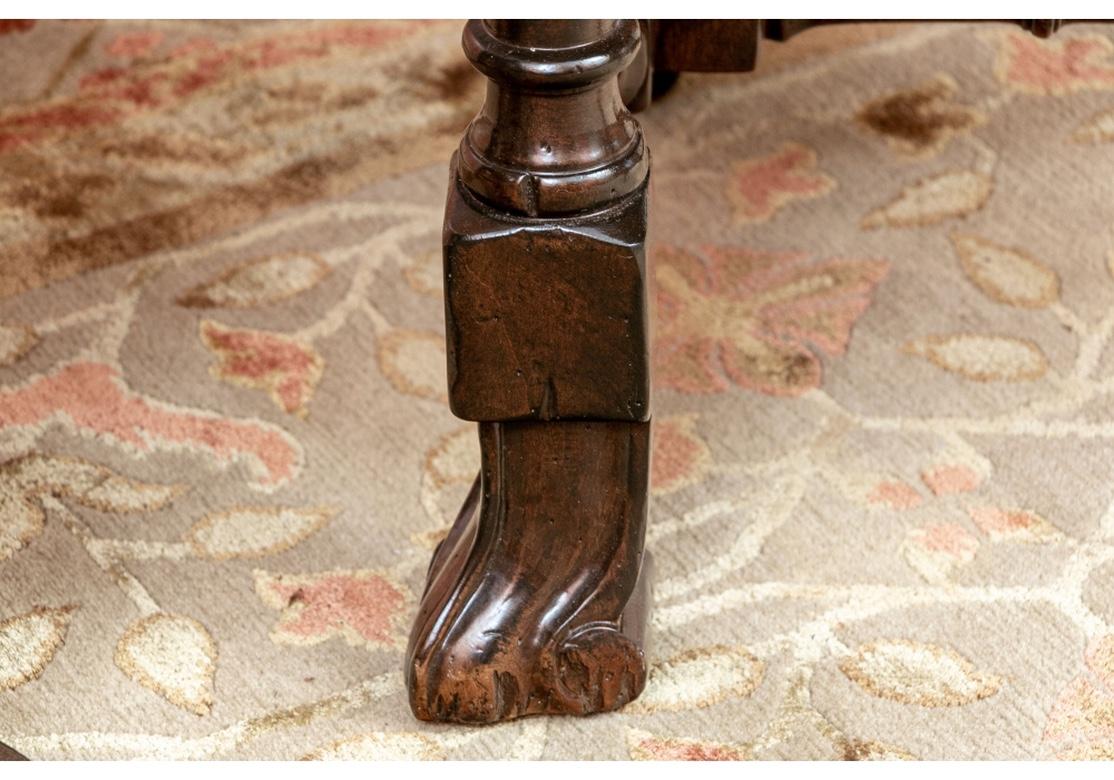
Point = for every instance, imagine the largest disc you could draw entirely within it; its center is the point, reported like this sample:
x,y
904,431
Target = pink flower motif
x,y
651,748
1013,525
114,93
938,549
760,186
133,45
895,494
950,538
92,399
948,479
363,607
755,318
286,368
1081,723
680,456
1058,66
997,521
193,45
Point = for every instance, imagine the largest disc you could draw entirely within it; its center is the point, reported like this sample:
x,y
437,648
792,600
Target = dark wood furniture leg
x,y
535,602
7,754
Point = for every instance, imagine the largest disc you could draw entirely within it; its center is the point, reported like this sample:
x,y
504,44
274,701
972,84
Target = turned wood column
x,y
535,601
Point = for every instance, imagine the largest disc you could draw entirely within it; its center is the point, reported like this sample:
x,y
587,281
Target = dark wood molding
x,y
553,136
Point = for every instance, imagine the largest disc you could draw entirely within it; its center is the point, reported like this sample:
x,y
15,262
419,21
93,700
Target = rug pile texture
x,y
883,494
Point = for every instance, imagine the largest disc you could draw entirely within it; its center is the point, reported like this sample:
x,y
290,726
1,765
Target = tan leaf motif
x,y
983,358
425,274
1007,275
918,673
1096,130
15,342
919,121
21,518
1014,525
380,746
23,480
455,459
259,281
644,746
700,678
252,532
414,362
868,750
28,643
932,200
172,655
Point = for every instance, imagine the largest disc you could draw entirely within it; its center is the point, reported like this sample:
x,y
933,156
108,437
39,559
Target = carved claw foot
x,y
534,603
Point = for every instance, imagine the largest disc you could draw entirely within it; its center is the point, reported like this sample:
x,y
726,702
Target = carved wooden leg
x,y
7,754
534,602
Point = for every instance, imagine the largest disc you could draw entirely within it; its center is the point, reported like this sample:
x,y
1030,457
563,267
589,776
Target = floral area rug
x,y
883,503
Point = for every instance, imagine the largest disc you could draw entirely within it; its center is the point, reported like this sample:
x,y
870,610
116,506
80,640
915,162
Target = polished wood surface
x,y
527,608
547,320
536,600
553,136
8,754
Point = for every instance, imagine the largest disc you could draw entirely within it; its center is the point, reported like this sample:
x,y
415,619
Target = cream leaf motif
x,y
15,342
414,362
28,643
454,459
1005,274
646,746
172,655
918,673
380,746
25,479
932,200
869,750
1096,130
252,532
700,678
258,282
983,358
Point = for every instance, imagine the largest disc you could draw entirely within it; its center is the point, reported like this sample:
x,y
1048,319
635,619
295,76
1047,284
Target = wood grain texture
x,y
705,45
547,319
8,754
534,602
528,608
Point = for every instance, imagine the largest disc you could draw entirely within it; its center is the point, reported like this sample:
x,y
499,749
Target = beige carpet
x,y
883,509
